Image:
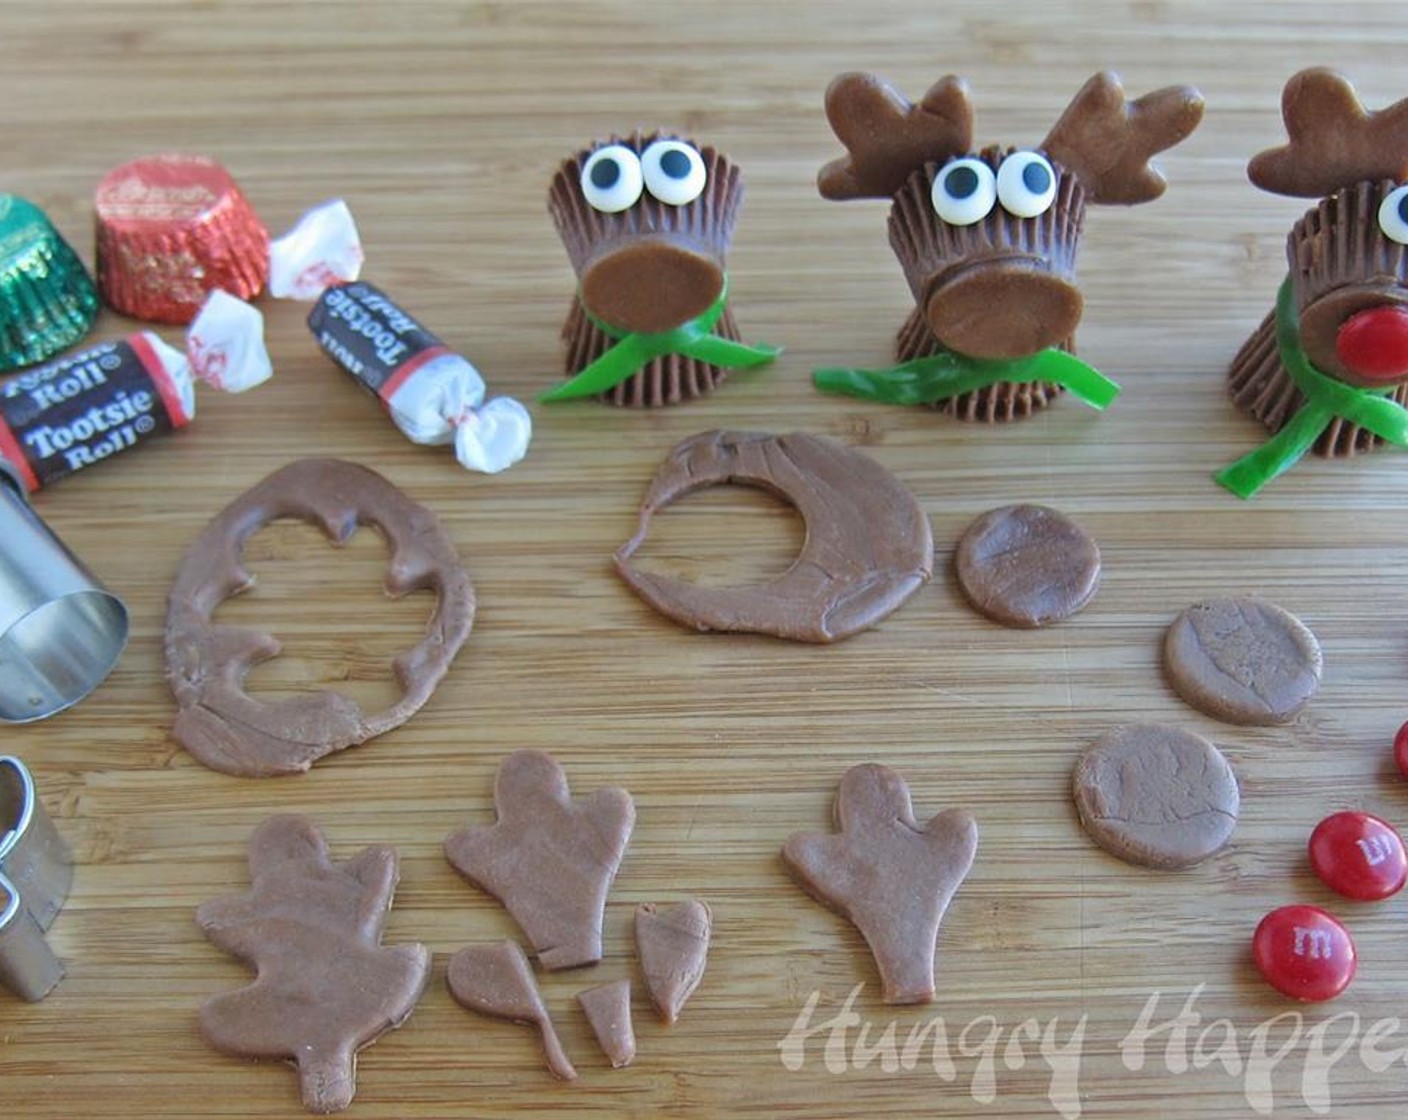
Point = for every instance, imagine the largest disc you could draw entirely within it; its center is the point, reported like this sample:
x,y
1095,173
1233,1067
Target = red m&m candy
x,y
1359,855
1304,953
1400,749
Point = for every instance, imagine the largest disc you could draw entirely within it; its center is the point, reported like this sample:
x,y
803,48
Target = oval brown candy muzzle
x,y
648,285
1003,309
1320,324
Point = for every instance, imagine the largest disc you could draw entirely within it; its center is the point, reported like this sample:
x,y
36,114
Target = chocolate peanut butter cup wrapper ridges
x,y
1338,243
671,379
704,226
47,300
171,229
708,221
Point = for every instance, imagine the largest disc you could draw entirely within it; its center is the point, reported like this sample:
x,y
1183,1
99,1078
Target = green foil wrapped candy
x,y
47,300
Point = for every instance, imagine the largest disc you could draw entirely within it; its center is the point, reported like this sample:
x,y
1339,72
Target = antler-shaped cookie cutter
x,y
36,870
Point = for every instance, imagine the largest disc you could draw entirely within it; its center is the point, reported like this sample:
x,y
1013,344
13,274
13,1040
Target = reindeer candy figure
x,y
988,240
1327,369
647,221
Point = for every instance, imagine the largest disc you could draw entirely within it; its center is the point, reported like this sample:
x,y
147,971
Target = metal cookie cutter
x,y
36,869
61,631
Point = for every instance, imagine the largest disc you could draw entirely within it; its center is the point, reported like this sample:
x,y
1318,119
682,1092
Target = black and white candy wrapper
x,y
434,395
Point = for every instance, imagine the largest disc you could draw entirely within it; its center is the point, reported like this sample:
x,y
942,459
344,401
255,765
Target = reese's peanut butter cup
x,y
1327,369
47,301
966,274
647,221
997,288
171,229
988,240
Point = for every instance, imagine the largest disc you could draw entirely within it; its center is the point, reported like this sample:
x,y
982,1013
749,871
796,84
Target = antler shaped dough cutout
x,y
1107,142
312,929
889,875
887,139
549,859
1334,141
497,980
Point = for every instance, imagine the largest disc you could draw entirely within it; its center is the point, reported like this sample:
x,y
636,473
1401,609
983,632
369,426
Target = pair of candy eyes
x,y
965,191
614,176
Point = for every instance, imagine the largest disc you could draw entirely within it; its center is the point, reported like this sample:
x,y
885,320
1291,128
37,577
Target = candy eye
x,y
674,172
1026,184
1393,215
964,192
611,179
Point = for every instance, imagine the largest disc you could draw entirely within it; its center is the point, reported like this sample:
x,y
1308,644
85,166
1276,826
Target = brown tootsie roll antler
x,y
1334,141
1108,141
886,137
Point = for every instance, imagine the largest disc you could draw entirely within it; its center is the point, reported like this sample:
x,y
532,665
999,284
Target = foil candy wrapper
x,y
69,414
47,298
171,228
433,395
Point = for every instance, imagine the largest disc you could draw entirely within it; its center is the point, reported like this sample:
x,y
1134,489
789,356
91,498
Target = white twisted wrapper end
x,y
493,438
322,249
443,402
225,344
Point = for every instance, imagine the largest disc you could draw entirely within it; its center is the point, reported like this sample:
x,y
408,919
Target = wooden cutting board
x,y
441,124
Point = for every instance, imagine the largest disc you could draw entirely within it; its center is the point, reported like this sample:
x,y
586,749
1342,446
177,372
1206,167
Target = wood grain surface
x,y
441,124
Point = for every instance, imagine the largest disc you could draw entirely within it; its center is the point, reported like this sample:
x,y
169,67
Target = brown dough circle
x,y
1026,566
1004,309
1156,796
868,546
1242,660
206,663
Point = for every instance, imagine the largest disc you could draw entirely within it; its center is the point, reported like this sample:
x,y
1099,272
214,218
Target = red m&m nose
x,y
1373,345
1304,953
1359,855
1400,749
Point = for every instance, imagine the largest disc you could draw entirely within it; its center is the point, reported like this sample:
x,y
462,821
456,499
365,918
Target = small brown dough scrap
x,y
326,987
868,546
497,980
673,946
891,876
1242,660
1027,566
206,663
1156,796
608,1008
549,859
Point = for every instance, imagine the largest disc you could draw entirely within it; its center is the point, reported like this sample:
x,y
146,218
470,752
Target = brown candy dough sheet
x,y
868,546
217,720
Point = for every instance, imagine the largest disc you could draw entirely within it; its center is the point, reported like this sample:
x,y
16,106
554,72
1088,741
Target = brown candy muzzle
x,y
1002,308
1322,320
651,284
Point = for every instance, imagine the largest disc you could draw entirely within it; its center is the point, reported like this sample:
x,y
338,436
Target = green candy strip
x,y
632,352
1325,399
947,374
